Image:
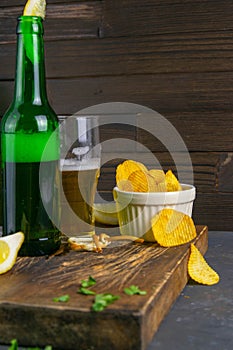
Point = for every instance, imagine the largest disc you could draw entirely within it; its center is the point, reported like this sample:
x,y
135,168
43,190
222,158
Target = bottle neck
x,y
30,84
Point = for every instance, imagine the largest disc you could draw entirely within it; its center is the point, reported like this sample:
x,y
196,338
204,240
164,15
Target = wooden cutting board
x,y
29,314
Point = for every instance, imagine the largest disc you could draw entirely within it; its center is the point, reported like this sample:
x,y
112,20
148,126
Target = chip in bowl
x,y
142,181
124,170
172,183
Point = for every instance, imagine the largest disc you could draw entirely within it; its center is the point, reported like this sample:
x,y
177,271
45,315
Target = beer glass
x,y
79,169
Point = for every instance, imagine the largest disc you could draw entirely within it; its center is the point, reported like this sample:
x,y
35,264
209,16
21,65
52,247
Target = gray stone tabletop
x,y
202,317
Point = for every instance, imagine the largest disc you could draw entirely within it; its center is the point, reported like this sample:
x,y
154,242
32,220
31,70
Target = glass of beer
x,y
79,169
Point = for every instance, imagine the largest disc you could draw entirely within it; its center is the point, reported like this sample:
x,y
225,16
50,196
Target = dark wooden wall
x,y
174,56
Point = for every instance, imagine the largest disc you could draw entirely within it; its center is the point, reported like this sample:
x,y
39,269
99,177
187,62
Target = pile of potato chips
x,y
169,227
135,177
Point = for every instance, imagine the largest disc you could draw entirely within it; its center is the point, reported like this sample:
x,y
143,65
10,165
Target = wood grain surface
x,y
28,312
174,57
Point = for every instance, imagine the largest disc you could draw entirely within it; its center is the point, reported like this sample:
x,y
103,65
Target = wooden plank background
x,y
175,57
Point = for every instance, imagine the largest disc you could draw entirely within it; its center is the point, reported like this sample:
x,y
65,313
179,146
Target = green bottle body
x,y
26,128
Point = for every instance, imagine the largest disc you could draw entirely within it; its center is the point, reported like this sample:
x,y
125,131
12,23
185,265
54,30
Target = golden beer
x,y
79,184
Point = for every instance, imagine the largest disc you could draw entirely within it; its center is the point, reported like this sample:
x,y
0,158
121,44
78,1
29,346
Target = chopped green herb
x,y
132,290
14,345
88,283
103,300
62,299
86,291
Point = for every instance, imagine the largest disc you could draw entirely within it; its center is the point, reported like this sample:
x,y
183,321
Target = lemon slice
x,y
35,8
106,213
9,247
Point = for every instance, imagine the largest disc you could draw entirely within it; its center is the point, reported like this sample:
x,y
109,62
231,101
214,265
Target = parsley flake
x,y
88,283
132,290
86,291
14,345
62,298
103,300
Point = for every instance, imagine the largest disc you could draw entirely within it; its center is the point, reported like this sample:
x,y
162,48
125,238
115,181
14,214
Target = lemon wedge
x,y
106,213
35,8
9,247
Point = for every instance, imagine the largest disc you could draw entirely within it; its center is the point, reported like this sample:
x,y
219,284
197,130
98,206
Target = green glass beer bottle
x,y
25,129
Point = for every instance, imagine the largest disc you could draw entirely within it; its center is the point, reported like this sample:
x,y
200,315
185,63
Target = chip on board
x,y
172,228
199,270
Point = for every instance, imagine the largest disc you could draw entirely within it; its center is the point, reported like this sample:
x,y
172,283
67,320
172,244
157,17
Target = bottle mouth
x,y
30,25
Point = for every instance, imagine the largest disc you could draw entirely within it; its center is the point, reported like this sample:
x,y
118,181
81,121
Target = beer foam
x,y
72,164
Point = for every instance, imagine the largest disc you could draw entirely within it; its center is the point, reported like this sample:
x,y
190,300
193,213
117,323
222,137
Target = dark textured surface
x,y
202,317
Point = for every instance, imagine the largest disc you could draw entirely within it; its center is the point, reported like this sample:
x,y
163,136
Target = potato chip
x,y
158,175
171,228
199,270
142,181
125,169
172,184
161,187
125,185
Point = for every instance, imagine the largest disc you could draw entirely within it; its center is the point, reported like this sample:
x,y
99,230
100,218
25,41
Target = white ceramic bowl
x,y
136,209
